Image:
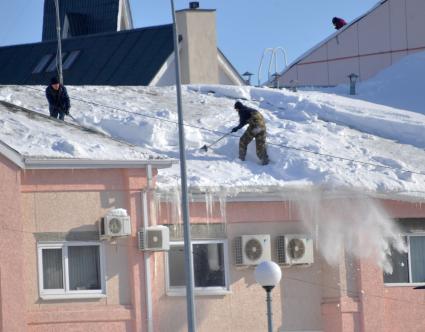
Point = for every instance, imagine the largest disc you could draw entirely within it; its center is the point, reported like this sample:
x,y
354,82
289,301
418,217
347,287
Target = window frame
x,y
409,261
181,290
66,293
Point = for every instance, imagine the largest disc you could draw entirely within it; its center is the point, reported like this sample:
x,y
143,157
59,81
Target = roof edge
x,y
12,155
35,163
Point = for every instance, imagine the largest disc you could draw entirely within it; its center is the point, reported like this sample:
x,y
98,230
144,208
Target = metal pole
x,y
58,33
269,307
191,322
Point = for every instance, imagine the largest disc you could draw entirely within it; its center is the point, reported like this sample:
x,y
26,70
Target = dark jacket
x,y
338,22
250,116
58,100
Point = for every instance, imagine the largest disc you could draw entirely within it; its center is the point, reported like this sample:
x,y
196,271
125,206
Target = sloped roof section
x,y
336,33
101,15
130,57
38,141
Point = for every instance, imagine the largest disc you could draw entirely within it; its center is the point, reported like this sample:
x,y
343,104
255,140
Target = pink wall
x,y
319,290
389,32
12,294
124,188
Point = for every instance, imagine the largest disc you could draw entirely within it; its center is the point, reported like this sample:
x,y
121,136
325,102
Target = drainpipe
x,y
147,255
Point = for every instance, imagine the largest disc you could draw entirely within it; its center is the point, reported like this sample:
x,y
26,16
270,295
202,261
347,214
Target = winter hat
x,y
238,105
54,80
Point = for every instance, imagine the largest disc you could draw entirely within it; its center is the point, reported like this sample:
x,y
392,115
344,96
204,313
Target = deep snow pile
x,y
400,85
315,138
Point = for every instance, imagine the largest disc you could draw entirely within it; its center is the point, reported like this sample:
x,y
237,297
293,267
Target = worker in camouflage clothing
x,y
256,129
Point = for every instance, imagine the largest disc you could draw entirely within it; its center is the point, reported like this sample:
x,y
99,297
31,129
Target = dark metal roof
x,y
131,57
99,15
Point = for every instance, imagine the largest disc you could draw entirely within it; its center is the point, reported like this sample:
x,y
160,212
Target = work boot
x,y
242,158
265,162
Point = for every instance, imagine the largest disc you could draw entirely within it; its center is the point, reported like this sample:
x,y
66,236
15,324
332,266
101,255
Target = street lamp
x,y
353,79
247,75
188,259
268,274
276,77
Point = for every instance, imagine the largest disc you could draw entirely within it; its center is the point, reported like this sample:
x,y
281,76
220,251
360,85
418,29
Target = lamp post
x,y
353,79
59,52
276,77
268,274
188,259
247,75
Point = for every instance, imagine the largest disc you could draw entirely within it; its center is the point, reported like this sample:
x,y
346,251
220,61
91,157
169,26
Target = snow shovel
x,y
205,147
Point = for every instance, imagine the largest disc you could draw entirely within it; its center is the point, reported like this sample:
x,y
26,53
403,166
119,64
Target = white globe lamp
x,y
268,275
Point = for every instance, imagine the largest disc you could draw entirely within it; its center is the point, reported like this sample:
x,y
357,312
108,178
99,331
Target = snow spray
x,y
352,222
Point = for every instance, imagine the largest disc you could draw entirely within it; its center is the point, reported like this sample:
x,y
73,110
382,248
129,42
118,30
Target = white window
x,y
408,268
70,270
209,265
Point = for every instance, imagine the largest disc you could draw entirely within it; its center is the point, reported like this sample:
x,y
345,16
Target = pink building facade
x,y
373,42
58,272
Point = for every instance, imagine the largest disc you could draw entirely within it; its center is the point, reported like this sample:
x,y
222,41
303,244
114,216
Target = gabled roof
x,y
336,33
35,141
100,15
131,57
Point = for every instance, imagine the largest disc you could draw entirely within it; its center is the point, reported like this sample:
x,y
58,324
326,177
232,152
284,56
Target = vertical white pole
x,y
58,33
190,302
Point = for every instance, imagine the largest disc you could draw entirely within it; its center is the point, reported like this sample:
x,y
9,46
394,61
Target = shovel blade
x,y
205,148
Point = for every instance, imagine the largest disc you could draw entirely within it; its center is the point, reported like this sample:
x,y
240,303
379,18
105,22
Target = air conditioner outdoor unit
x,y
114,225
154,238
294,249
252,249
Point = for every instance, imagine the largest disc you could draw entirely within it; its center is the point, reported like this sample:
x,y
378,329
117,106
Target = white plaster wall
x,y
339,70
415,23
374,31
313,74
389,32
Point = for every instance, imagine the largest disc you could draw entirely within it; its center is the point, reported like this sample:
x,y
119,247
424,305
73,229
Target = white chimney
x,y
199,62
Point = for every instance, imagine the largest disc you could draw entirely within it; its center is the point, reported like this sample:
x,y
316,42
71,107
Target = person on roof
x,y
338,22
57,96
256,129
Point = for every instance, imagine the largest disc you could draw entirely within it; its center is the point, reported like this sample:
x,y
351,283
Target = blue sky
x,y
244,27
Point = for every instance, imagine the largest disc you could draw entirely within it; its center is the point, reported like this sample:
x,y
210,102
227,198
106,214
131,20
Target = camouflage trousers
x,y
260,142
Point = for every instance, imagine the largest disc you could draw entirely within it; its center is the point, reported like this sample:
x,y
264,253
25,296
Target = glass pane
x,y
417,257
208,263
53,65
400,265
52,269
176,266
43,62
84,267
70,59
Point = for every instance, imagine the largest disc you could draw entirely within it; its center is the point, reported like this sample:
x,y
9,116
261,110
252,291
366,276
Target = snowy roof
x,y
316,139
34,140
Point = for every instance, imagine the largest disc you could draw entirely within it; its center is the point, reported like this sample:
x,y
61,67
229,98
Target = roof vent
x,y
194,5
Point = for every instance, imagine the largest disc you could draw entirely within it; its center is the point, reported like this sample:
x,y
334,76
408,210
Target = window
x,y
53,64
70,270
209,265
42,63
70,59
409,268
